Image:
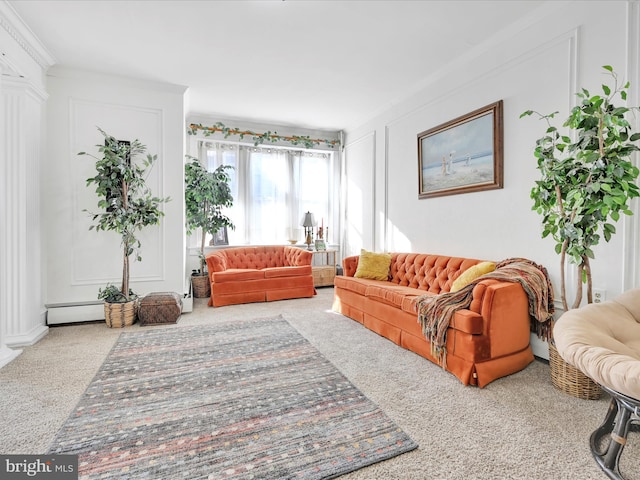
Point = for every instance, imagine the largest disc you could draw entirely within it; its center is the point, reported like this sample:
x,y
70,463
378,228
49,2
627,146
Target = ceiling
x,y
326,65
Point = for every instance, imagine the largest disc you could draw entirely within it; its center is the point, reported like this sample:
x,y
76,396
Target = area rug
x,y
234,400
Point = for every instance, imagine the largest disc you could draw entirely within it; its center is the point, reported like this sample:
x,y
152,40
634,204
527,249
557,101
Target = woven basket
x,y
201,286
119,315
569,379
159,307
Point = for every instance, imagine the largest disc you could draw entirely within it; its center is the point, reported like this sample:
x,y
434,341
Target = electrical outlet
x,y
599,295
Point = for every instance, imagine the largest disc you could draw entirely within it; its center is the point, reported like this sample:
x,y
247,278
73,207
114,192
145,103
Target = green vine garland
x,y
260,138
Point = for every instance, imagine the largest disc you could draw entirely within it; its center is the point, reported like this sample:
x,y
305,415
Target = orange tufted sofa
x,y
259,274
485,342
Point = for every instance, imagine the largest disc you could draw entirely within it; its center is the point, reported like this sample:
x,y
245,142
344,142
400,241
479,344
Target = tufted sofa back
x,y
432,273
257,257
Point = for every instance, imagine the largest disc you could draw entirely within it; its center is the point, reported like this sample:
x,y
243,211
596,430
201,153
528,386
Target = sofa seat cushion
x,y
274,272
393,295
410,302
356,285
238,274
405,298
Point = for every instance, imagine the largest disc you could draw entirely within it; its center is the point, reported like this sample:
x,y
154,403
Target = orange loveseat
x,y
259,274
487,341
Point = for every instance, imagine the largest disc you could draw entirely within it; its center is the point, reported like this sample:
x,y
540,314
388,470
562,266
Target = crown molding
x,y
11,22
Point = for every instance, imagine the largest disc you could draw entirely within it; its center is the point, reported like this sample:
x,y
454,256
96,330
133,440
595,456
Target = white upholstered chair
x,y
603,341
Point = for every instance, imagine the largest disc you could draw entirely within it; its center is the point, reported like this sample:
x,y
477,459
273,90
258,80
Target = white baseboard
x,y
187,304
540,347
7,354
74,313
26,339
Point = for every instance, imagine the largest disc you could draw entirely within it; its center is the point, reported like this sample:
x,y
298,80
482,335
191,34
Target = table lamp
x,y
308,223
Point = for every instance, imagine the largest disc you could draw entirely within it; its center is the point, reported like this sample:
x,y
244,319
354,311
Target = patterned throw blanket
x,y
435,312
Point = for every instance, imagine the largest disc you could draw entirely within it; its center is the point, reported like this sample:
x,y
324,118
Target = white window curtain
x,y
273,188
269,192
214,154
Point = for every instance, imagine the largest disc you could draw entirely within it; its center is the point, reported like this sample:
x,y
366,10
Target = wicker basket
x,y
159,307
119,315
569,379
201,286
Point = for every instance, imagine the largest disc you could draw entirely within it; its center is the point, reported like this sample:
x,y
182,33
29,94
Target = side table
x,y
323,267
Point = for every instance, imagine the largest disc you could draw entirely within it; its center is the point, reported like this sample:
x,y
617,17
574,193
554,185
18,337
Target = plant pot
x,y
570,380
119,315
201,286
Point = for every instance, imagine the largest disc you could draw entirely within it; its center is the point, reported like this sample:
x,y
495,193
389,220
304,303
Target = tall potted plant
x,y
586,181
206,194
126,206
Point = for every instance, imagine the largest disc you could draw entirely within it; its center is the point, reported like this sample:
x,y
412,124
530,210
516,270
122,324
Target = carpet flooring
x,y
234,400
518,427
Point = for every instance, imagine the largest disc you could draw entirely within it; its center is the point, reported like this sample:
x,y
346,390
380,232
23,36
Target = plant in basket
x,y
127,205
112,294
206,195
586,182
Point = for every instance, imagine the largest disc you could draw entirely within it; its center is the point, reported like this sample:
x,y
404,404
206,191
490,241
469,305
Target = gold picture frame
x,y
462,155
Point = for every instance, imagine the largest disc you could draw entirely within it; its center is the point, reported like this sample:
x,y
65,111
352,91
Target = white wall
x,y
80,261
360,203
539,67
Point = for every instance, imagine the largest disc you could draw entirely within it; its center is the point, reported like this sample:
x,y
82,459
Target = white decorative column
x,y
22,308
6,354
23,64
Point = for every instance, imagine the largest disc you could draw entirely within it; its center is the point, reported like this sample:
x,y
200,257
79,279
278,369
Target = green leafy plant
x,y
586,181
206,194
112,294
127,204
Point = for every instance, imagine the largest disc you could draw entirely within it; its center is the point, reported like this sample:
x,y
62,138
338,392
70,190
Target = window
x,y
272,189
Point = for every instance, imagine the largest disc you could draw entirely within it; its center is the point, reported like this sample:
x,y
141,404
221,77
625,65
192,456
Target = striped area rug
x,y
234,400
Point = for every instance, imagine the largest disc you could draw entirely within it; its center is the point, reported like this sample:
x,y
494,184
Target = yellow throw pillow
x,y
374,266
470,274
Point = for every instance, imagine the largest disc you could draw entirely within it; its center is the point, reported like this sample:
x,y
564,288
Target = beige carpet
x,y
518,427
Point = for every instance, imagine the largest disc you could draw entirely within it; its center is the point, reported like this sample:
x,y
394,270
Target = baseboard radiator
x,y
74,312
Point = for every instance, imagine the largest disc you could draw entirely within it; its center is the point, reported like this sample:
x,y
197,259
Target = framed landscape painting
x,y
463,155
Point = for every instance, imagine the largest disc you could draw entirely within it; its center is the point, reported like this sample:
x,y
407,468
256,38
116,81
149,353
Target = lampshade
x,y
309,221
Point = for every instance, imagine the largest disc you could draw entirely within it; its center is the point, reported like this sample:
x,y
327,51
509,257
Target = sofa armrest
x,y
350,265
504,306
295,256
467,321
216,262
